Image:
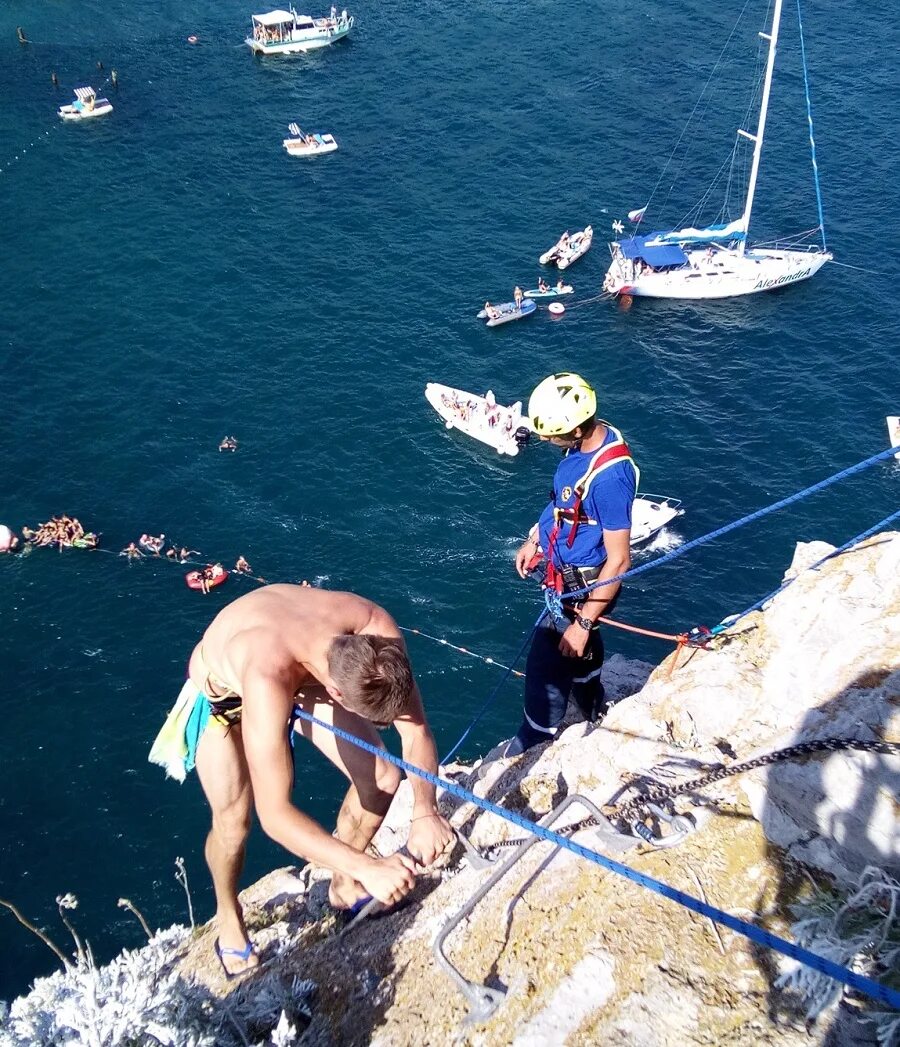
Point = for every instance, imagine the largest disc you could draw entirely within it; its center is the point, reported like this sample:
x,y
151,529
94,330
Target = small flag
x,y
618,227
636,216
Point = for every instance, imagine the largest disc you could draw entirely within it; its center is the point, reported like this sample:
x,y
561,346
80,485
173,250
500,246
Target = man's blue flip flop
x,y
239,954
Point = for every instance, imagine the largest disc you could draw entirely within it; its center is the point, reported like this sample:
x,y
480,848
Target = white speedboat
x,y
550,292
505,312
650,513
86,105
893,424
285,32
308,145
713,260
481,417
568,249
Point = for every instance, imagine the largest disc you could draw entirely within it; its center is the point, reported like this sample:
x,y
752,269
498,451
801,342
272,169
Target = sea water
x,y
171,276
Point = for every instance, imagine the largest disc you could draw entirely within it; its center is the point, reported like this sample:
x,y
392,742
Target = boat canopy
x,y
659,255
726,232
274,18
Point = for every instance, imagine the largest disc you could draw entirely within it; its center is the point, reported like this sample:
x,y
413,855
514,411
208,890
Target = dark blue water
x,y
171,276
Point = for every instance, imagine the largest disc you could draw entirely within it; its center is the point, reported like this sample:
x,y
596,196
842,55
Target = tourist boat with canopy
x,y
86,105
697,261
282,32
568,249
308,145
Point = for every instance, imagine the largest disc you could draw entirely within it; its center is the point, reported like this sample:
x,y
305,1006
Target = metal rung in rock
x,y
484,1000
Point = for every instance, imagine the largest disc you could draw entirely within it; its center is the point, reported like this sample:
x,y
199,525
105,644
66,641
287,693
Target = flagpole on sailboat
x,y
757,139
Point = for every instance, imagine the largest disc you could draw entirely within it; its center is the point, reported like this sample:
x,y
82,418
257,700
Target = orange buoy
x,y
625,301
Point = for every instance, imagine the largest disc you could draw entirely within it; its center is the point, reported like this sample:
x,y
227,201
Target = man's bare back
x,y
283,631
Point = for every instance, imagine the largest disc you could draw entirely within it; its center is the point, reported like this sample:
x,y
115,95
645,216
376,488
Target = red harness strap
x,y
605,456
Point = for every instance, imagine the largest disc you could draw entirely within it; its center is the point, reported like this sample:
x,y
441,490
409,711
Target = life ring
x,y
192,39
556,308
194,580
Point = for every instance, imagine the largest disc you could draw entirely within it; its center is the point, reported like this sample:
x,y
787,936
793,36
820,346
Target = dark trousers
x,y
551,679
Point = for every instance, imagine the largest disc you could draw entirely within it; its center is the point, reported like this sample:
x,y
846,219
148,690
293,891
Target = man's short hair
x,y
373,675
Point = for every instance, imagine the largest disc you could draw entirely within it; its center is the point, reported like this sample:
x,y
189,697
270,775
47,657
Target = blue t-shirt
x,y
607,506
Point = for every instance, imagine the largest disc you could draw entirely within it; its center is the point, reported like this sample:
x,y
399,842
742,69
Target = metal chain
x,y
662,793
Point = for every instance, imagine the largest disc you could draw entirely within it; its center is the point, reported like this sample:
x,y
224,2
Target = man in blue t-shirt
x,y
584,535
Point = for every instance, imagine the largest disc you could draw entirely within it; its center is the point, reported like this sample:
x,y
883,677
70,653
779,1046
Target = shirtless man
x,y
341,658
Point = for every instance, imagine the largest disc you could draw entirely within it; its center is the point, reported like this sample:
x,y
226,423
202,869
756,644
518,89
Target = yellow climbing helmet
x,y
560,404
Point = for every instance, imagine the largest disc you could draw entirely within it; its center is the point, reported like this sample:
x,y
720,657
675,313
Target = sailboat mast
x,y
757,139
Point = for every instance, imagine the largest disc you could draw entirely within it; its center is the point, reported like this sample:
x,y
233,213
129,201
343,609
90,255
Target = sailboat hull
x,y
716,274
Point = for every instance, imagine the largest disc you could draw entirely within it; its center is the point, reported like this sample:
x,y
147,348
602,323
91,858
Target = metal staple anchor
x,y
483,999
682,826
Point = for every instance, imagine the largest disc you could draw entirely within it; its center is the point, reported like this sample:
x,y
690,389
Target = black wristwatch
x,y
585,623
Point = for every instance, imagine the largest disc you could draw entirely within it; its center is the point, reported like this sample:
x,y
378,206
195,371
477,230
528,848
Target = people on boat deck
x,y
491,311
543,285
342,659
583,537
518,296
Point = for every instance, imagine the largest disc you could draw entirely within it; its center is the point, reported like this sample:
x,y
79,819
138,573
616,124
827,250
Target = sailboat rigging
x,y
714,261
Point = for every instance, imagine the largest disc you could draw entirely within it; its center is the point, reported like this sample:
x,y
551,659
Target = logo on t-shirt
x,y
566,493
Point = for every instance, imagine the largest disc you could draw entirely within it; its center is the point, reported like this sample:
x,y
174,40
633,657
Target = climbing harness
x,y
607,456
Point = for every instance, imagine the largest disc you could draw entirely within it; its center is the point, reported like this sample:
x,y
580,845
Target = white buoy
x,y
6,539
556,308
893,424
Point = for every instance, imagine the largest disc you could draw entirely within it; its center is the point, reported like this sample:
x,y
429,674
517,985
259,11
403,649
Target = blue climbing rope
x,y
490,699
757,515
554,600
868,986
812,141
735,618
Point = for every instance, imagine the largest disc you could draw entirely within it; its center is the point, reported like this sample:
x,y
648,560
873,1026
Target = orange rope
x,y
680,638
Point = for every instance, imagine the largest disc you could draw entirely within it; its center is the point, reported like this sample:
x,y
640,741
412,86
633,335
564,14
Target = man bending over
x,y
341,658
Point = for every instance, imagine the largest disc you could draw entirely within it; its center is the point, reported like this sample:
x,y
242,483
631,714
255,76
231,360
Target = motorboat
x,y
568,249
308,144
282,32
481,417
650,513
893,424
550,292
85,106
703,259
505,312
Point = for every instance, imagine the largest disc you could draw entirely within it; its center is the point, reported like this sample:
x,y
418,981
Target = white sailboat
x,y
715,261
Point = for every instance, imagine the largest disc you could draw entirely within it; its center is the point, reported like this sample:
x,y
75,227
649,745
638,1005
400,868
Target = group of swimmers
x,y
64,531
